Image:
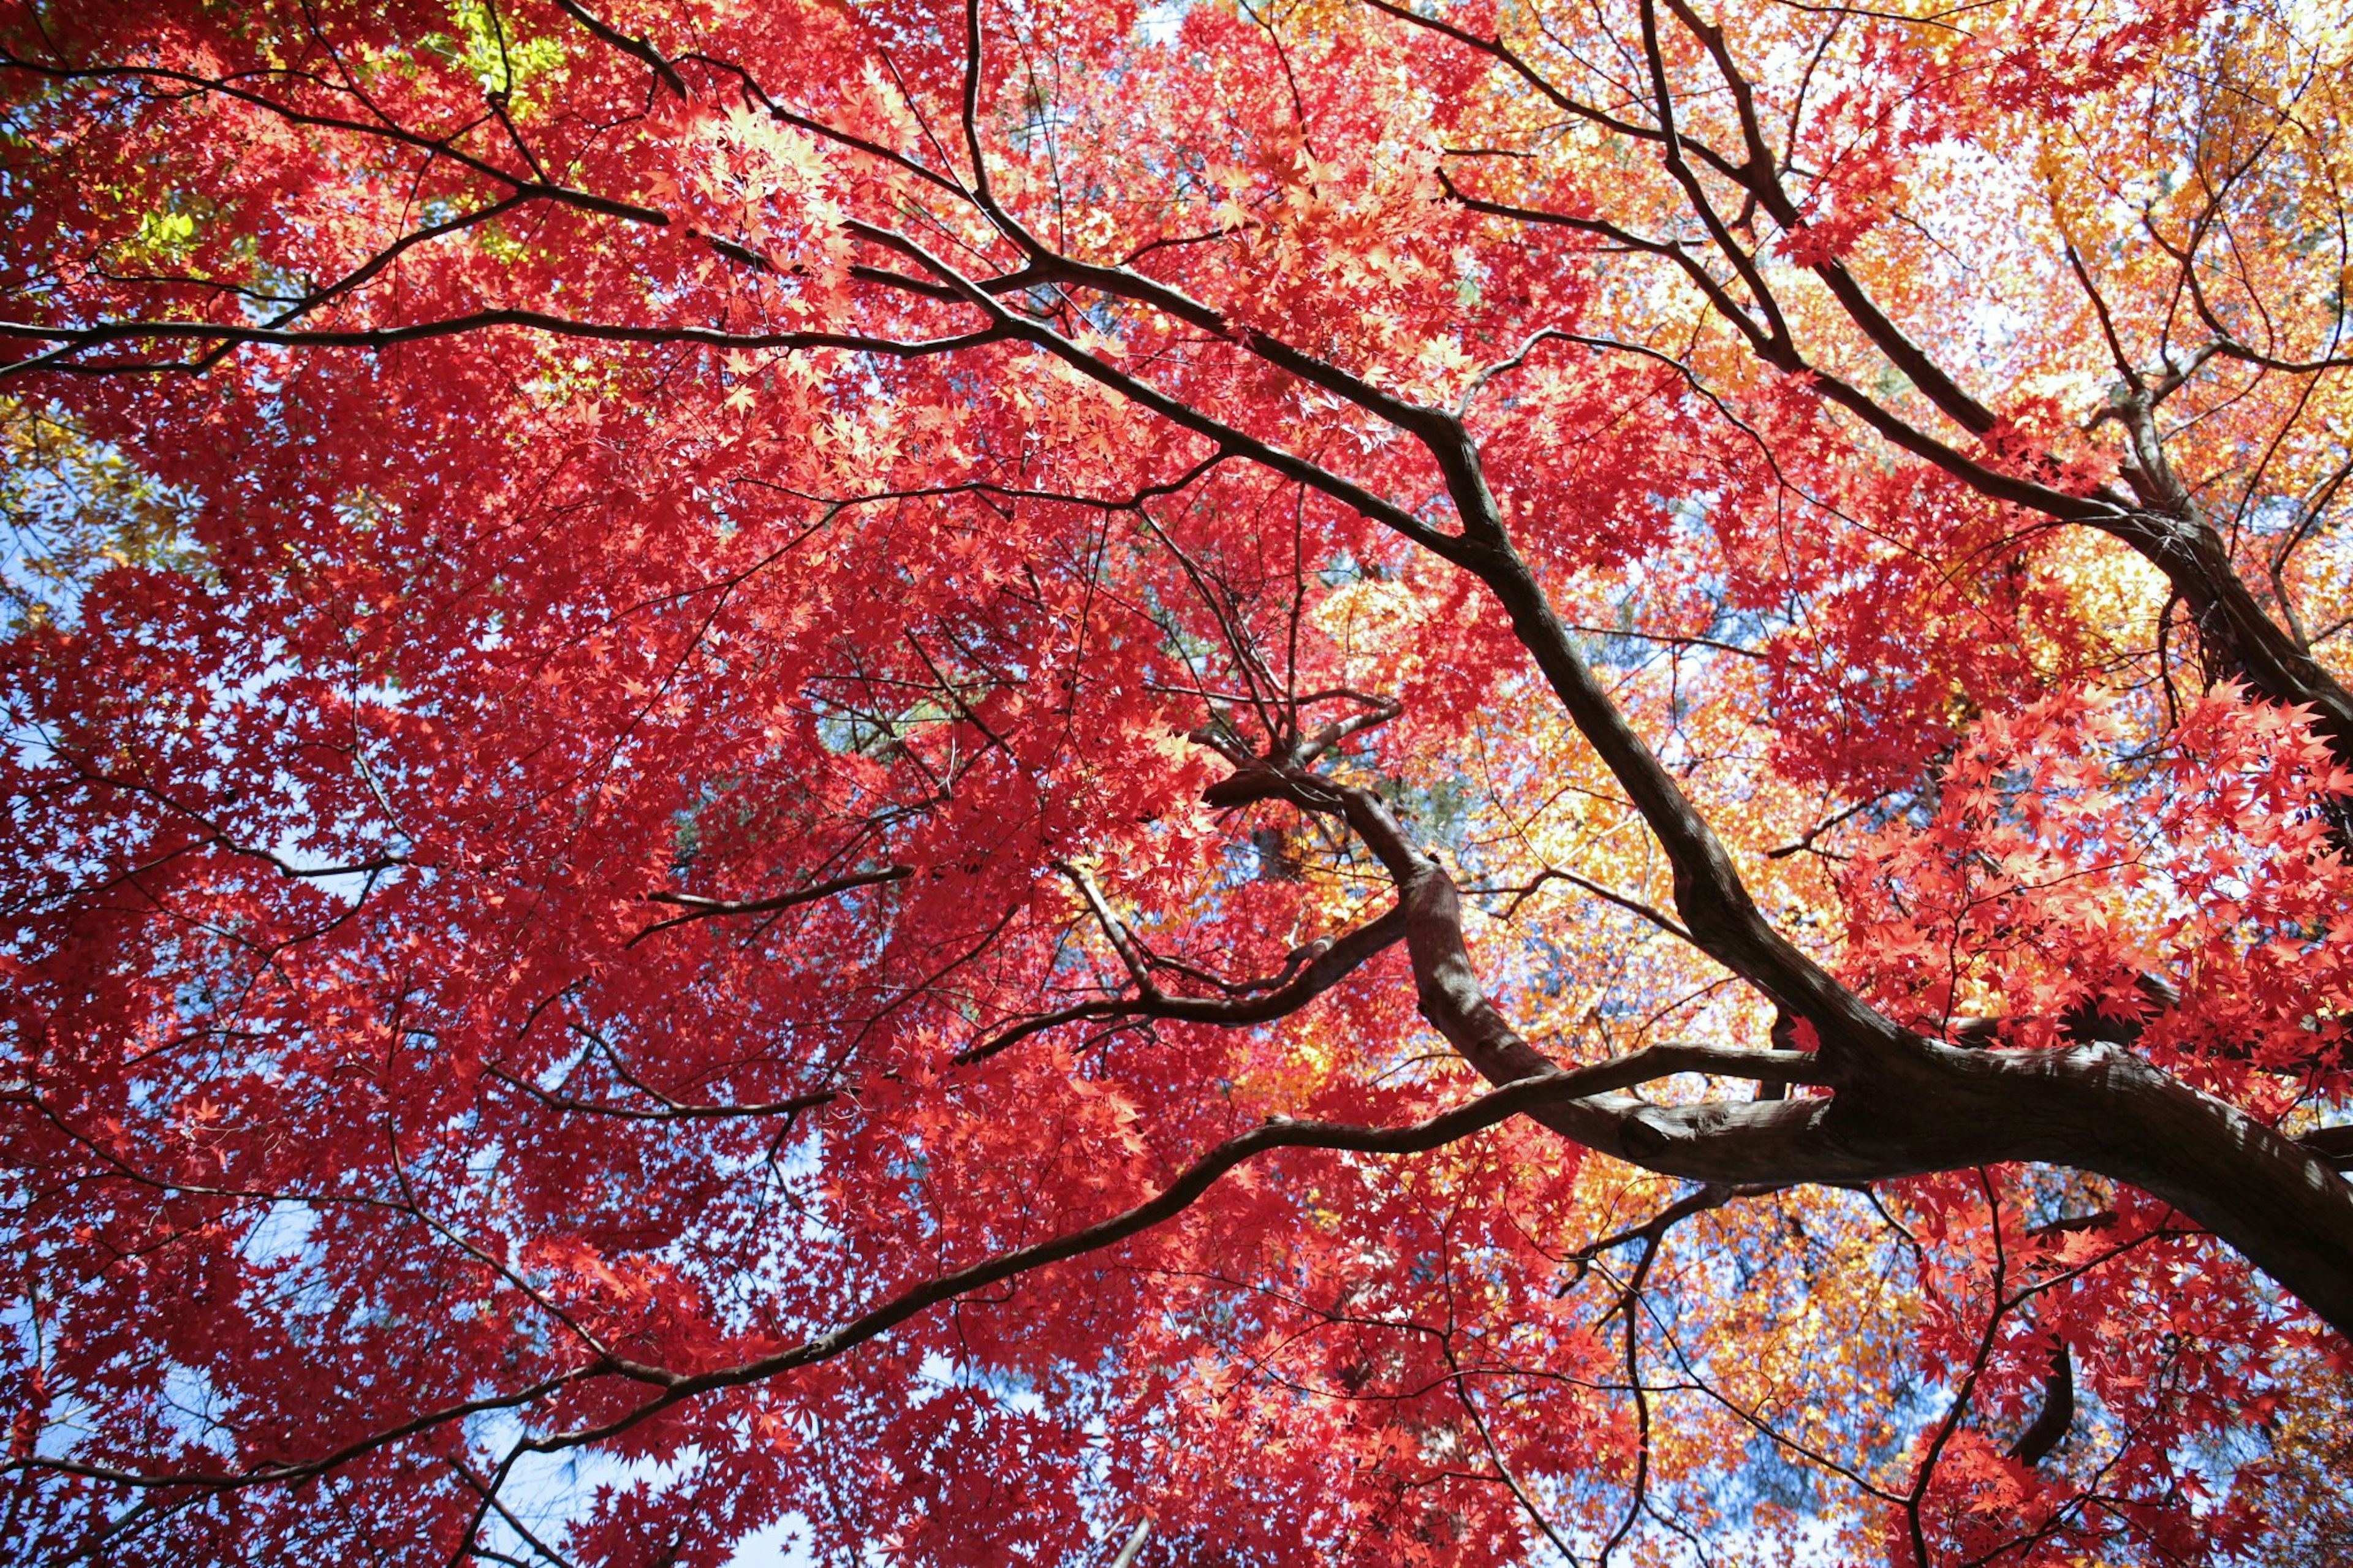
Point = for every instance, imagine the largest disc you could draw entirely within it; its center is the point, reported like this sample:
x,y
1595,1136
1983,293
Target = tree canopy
x,y
1257,782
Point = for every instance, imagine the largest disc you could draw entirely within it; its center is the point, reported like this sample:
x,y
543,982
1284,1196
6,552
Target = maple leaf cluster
x,y
1245,781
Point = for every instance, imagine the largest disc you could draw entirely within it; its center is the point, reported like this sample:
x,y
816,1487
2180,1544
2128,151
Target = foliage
x,y
1376,782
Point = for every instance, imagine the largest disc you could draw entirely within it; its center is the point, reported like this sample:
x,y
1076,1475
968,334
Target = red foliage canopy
x,y
1252,783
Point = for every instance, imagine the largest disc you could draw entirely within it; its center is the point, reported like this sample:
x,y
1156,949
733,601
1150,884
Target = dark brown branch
x,y
1908,1106
1311,971
668,1108
1177,411
698,907
2050,1426
1179,1194
2241,640
638,49
439,147
1187,1189
75,339
1707,1198
2230,348
2333,1144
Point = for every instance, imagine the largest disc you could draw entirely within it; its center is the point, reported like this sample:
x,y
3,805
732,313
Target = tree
x,y
1292,782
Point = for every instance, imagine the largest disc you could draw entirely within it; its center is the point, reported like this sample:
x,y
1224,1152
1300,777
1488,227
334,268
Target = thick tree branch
x,y
2049,1425
636,49
1916,1107
1186,1188
2240,639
